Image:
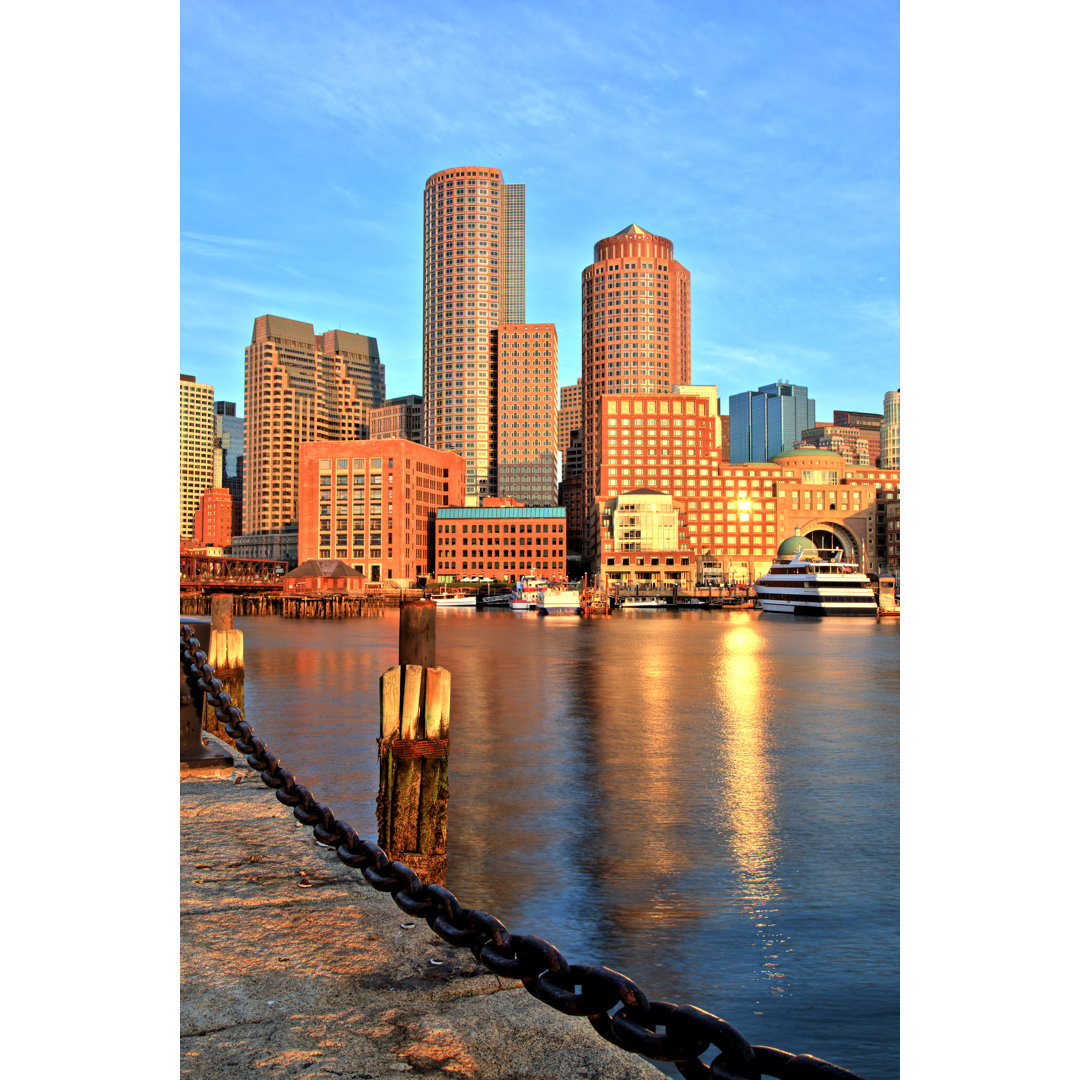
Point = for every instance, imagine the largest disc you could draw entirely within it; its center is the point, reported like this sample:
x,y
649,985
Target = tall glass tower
x,y
768,421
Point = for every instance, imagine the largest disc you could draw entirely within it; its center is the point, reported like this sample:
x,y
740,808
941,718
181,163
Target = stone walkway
x,y
291,965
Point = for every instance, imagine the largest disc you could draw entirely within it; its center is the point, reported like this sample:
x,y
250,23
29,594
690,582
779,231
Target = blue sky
x,y
761,138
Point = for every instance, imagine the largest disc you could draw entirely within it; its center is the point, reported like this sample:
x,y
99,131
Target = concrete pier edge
x,y
292,965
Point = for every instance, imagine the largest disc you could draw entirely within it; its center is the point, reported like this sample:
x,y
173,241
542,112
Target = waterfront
x,y
706,801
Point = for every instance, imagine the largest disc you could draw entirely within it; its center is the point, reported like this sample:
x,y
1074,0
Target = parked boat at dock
x,y
801,582
556,600
454,599
526,591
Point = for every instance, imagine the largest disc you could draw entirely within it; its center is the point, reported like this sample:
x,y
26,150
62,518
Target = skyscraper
x,y
229,458
768,421
299,387
527,418
196,448
635,329
890,431
474,264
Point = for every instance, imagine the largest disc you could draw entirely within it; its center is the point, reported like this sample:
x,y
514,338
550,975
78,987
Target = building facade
x,y
196,448
470,219
732,516
299,387
229,458
399,418
869,427
572,495
500,542
635,330
768,421
849,442
569,417
527,416
372,504
890,431
213,523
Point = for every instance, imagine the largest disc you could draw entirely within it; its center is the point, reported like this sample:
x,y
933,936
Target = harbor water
x,y
706,801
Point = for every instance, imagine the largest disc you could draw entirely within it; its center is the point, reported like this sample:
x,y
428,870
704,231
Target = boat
x,y
559,600
801,582
454,599
647,603
497,598
526,591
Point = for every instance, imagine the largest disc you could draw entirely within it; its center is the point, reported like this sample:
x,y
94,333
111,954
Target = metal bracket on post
x,y
196,755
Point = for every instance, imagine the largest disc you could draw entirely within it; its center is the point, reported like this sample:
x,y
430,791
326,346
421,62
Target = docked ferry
x,y
526,592
557,599
801,582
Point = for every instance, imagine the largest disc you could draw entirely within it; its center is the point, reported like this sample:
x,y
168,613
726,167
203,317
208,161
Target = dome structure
x,y
795,545
807,454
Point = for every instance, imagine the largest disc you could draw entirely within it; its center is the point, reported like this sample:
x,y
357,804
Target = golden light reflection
x,y
746,817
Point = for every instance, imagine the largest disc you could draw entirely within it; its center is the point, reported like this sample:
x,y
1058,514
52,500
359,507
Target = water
x,y
705,801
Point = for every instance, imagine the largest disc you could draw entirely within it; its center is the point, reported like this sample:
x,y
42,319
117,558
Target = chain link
x,y
660,1030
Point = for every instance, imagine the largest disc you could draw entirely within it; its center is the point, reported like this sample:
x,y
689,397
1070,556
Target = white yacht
x,y
801,582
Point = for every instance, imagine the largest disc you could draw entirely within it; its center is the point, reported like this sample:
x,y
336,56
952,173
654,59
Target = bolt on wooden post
x,y
414,749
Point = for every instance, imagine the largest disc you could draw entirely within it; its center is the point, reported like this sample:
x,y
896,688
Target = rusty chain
x,y
575,989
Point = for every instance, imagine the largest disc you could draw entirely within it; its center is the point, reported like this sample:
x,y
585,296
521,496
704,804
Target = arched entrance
x,y
829,537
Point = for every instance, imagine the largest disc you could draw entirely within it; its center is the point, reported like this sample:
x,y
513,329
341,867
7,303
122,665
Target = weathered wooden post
x,y
195,755
225,654
414,749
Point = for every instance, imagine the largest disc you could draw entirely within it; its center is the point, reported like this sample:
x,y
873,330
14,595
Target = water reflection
x,y
745,816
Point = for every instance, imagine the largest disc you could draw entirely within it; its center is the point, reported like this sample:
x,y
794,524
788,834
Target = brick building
x,y
527,416
500,542
732,516
635,330
213,520
399,418
372,504
196,448
849,442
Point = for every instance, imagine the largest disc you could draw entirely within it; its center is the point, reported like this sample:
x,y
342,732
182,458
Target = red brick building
x,y
213,521
372,504
501,542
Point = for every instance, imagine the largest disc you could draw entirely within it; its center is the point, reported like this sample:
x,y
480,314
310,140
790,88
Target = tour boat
x,y
526,591
553,600
645,603
454,599
800,582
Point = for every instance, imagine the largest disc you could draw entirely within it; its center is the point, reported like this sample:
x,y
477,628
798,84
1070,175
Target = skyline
x,y
765,146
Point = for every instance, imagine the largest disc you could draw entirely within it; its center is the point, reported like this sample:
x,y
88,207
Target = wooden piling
x,y
225,654
414,737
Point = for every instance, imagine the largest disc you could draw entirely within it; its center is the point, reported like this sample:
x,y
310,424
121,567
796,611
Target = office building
x,y
572,494
474,263
569,415
299,387
768,421
372,503
849,442
890,431
399,418
869,428
527,425
196,448
229,458
500,541
635,330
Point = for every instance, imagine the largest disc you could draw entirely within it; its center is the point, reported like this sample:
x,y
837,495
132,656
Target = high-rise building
x,y
399,418
214,518
768,421
196,448
635,330
569,416
229,458
299,387
890,431
527,417
474,263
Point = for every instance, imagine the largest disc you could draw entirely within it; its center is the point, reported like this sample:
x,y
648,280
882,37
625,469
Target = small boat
x,y
454,599
646,603
498,598
554,600
800,582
